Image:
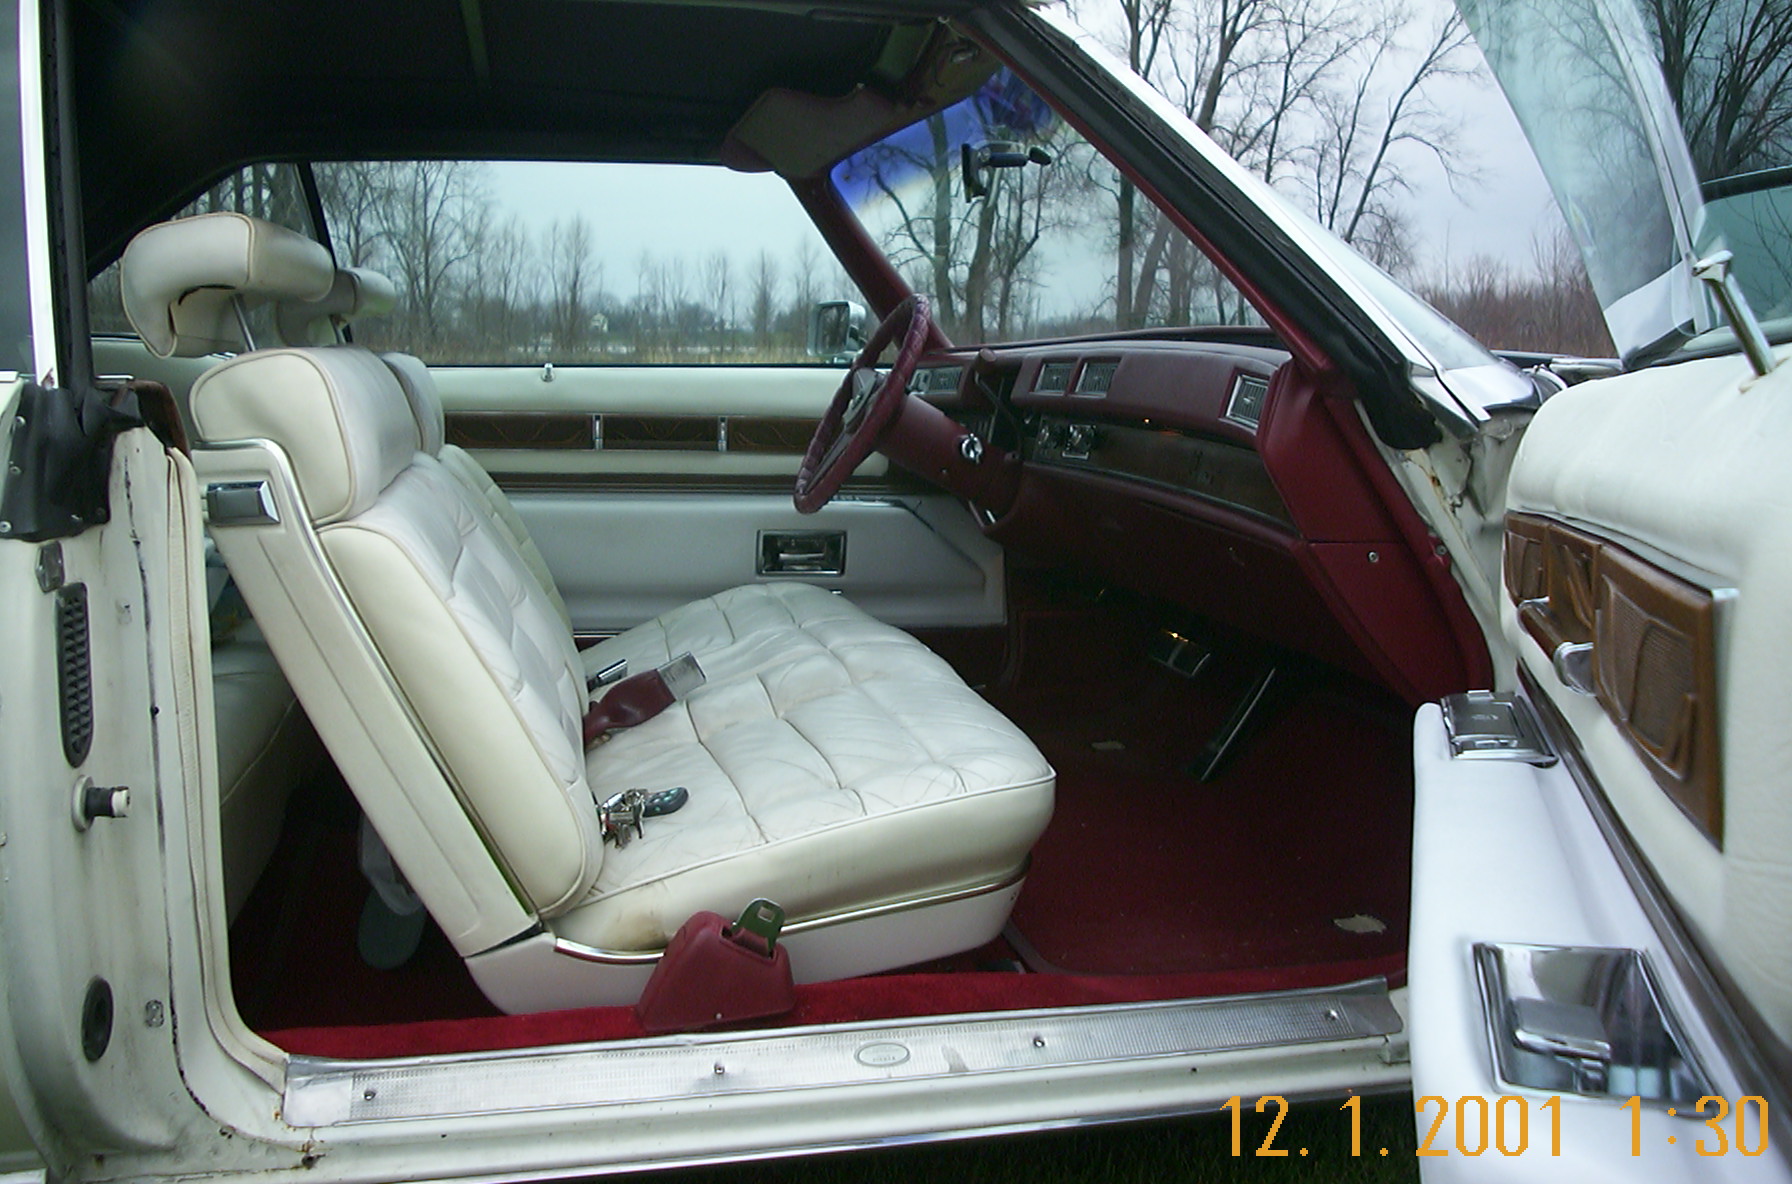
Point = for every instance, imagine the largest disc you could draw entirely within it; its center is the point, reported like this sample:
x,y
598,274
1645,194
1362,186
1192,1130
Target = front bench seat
x,y
860,783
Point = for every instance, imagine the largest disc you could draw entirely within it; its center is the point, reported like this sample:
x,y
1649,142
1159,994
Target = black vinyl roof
x,y
170,94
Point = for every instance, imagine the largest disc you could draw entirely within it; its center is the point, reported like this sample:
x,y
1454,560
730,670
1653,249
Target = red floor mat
x,y
1310,825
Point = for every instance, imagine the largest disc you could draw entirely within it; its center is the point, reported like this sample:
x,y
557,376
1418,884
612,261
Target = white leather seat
x,y
835,765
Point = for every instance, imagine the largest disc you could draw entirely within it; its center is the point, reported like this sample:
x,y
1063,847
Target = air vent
x,y
1096,378
1246,404
74,672
937,380
1054,377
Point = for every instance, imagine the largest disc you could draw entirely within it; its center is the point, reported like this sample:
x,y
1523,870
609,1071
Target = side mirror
x,y
837,330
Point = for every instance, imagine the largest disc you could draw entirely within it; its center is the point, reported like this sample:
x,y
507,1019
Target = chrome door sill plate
x,y
323,1093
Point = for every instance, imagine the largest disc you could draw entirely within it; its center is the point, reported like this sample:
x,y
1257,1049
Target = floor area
x,y
1288,868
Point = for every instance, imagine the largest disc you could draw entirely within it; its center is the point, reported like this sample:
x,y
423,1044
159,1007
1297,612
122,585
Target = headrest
x,y
337,412
355,293
179,278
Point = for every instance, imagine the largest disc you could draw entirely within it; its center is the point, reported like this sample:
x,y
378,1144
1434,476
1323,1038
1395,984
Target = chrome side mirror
x,y
837,330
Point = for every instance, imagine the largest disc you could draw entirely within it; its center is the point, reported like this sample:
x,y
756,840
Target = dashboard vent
x,y
937,380
1246,404
1096,378
1054,377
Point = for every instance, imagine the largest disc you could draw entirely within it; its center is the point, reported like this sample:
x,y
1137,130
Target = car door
x,y
645,401
1601,891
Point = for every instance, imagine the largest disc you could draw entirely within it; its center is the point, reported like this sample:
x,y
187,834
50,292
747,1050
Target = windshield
x,y
1018,229
1664,128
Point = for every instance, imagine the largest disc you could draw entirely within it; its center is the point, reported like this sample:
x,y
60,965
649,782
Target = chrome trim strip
x,y
1742,1038
585,953
326,1093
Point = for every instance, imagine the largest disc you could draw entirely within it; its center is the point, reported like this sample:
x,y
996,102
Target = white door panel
x,y
1504,851
623,551
1685,466
1647,572
623,558
642,390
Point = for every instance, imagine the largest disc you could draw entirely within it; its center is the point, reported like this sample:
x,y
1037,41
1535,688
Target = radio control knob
x,y
1080,437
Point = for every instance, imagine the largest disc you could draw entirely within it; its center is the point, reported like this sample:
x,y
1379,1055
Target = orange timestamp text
x,y
1502,1125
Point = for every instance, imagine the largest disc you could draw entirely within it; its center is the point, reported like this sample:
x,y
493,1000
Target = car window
x,y
270,191
1019,229
579,263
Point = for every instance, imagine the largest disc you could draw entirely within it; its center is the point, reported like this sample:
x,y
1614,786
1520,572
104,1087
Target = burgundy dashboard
x,y
1216,475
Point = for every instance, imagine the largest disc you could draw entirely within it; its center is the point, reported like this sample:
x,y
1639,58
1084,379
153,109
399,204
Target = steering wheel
x,y
864,407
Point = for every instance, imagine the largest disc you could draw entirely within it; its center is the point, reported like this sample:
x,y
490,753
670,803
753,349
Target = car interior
x,y
1104,694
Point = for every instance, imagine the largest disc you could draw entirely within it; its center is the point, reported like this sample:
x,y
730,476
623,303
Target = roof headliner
x,y
172,93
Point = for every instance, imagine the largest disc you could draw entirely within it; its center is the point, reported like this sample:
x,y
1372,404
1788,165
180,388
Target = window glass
x,y
272,192
1019,229
620,264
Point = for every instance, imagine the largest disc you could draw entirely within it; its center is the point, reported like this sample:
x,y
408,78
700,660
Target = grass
x,y
1197,1150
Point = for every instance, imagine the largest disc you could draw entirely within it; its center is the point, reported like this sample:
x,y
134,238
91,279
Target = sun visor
x,y
801,135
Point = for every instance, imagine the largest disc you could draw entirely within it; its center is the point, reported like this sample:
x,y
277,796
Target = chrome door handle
x,y
801,553
1573,662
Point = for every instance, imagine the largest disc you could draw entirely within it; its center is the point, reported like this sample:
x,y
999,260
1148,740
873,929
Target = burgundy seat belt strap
x,y
639,697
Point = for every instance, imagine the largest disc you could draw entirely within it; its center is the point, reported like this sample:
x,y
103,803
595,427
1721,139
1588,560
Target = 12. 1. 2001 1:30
x,y
1503,1125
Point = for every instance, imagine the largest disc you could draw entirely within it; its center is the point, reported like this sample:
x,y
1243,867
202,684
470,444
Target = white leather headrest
x,y
337,412
426,404
356,292
179,277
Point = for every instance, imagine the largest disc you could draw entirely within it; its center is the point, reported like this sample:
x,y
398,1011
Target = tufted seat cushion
x,y
830,754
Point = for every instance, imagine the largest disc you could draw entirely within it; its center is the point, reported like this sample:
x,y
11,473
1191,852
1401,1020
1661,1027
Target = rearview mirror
x,y
837,330
979,162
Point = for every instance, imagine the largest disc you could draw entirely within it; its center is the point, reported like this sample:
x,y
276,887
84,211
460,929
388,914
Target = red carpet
x,y
1310,824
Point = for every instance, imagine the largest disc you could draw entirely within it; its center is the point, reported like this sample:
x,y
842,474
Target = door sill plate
x,y
324,1093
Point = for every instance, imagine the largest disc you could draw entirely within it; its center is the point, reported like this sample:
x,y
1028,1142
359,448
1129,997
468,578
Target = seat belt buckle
x,y
758,928
714,973
615,672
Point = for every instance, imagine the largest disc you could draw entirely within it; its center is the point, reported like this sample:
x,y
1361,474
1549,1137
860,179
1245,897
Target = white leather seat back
x,y
426,404
471,640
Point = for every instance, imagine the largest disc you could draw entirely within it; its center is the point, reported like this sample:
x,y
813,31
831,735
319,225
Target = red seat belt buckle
x,y
715,973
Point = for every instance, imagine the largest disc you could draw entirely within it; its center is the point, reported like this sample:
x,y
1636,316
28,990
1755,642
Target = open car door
x,y
1601,972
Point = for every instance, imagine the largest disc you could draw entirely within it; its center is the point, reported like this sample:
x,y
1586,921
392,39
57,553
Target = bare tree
x,y
567,248
764,299
1728,68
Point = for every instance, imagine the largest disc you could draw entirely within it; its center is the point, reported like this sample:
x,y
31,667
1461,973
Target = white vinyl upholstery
x,y
179,279
834,763
426,405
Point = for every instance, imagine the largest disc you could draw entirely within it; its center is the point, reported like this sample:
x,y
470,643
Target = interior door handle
x,y
1573,662
801,553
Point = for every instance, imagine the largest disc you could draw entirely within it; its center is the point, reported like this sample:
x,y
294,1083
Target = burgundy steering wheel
x,y
864,407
